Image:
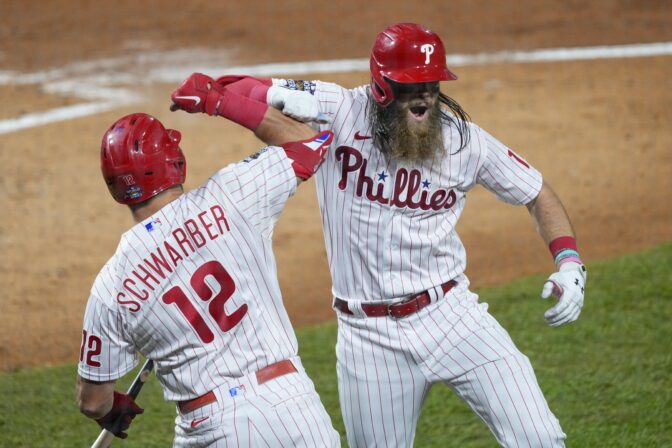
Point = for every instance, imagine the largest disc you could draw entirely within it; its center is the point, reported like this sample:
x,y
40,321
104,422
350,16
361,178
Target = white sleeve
x,y
260,186
107,352
330,96
505,173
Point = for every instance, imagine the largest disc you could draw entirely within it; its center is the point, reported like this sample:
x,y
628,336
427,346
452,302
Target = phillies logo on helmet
x,y
428,49
394,57
128,179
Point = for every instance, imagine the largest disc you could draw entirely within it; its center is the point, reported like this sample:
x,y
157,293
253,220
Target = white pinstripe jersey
x,y
389,227
194,287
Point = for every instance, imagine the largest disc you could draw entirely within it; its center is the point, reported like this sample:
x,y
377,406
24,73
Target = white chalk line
x,y
54,115
97,80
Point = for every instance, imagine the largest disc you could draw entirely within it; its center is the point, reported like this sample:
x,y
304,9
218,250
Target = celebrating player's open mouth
x,y
418,112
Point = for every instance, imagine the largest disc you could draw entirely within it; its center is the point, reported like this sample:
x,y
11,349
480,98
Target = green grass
x,y
607,377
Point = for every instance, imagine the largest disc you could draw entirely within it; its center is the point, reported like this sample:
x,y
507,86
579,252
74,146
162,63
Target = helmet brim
x,y
421,73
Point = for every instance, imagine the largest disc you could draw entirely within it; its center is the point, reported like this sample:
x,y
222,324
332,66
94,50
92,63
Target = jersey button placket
x,y
389,276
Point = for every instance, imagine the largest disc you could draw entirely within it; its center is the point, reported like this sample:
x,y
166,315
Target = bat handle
x,y
140,379
104,439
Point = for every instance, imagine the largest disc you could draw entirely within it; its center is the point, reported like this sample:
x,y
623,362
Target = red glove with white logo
x,y
120,416
308,155
198,93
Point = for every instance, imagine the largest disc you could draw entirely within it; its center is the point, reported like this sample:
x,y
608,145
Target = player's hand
x,y
198,93
120,416
568,286
299,105
308,155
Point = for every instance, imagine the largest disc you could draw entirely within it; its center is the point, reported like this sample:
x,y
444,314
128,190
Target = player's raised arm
x,y
201,94
296,103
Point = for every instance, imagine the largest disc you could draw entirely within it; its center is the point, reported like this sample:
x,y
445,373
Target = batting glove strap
x,y
568,286
307,155
123,411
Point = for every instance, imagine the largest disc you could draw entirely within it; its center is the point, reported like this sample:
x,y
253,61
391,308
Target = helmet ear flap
x,y
381,89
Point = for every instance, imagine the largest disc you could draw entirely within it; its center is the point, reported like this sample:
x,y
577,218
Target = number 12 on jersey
x,y
176,296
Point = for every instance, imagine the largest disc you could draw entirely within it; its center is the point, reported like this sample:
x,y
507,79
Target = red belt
x,y
407,307
266,374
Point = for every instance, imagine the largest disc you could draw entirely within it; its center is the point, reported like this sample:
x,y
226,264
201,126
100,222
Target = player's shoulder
x,y
360,94
457,123
107,282
341,98
265,160
267,165
326,88
135,240
474,133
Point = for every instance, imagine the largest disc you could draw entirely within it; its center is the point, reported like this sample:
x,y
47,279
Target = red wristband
x,y
242,110
308,155
248,86
561,243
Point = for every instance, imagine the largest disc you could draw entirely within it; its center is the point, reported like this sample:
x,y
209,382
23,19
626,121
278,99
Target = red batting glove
x,y
307,155
198,93
120,416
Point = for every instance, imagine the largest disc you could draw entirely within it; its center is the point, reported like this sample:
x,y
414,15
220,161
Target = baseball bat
x,y
105,437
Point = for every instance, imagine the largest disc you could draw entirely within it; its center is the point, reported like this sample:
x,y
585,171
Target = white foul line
x,y
163,69
54,115
172,74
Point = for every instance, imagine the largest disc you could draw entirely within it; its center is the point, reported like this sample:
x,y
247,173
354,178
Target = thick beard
x,y
394,137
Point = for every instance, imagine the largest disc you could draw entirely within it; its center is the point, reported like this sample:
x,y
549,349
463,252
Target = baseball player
x,y
391,193
193,286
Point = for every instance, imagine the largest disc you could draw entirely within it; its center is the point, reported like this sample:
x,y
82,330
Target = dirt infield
x,y
598,130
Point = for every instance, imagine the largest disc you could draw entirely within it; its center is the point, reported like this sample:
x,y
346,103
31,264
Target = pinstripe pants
x,y
283,412
386,366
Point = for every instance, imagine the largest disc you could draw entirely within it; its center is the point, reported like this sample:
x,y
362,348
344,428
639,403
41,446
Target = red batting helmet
x,y
140,158
406,53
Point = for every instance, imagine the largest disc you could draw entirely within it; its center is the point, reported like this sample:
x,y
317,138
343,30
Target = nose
x,y
423,91
424,87
419,89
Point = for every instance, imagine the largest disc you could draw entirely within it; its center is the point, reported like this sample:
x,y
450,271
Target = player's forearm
x,y
278,129
94,399
549,215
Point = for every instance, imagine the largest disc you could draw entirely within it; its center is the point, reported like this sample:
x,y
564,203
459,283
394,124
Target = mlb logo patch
x,y
153,224
238,390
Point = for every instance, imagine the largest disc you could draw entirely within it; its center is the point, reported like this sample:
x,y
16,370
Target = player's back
x,y
194,286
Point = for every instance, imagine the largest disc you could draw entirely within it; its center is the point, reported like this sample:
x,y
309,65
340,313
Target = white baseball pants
x,y
283,412
386,366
